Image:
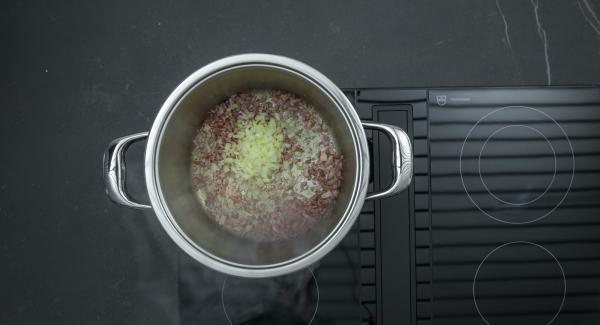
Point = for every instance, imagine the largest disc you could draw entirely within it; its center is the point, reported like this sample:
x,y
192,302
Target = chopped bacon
x,y
285,208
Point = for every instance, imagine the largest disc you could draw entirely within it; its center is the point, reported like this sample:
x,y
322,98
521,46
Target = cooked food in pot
x,y
265,165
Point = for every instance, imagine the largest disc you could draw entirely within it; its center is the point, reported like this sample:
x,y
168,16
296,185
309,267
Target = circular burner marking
x,y
564,196
562,271
314,314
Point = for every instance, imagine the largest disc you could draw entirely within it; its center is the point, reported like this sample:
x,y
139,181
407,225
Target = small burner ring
x,y
547,187
538,246
314,314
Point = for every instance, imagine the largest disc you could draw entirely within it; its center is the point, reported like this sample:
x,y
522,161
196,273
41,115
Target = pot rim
x,y
359,187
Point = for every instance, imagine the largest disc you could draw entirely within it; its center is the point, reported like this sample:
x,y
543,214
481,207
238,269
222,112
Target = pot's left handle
x,y
114,170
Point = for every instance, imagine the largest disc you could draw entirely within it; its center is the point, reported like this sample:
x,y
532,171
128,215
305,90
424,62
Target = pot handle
x,y
402,159
114,170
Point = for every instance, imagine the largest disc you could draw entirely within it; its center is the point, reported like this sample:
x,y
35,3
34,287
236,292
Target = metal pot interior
x,y
173,169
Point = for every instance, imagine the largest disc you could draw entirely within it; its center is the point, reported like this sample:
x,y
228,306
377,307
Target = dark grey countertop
x,y
79,74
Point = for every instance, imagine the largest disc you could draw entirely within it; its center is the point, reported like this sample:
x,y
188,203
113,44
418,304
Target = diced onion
x,y
257,155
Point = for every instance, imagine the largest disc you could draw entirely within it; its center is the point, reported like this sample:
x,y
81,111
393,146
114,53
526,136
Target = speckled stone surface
x,y
76,75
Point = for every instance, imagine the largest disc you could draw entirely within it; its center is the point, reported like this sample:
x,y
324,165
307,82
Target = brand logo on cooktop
x,y
441,99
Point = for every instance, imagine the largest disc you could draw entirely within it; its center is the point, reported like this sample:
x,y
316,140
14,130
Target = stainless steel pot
x,y
167,165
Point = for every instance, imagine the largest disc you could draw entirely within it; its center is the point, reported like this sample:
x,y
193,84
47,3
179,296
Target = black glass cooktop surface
x,y
515,214
501,224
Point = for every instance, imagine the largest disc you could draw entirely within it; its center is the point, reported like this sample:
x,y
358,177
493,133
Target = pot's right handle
x,y
402,159
114,170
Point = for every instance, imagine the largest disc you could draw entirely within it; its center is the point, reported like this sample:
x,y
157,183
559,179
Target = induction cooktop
x,y
501,224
